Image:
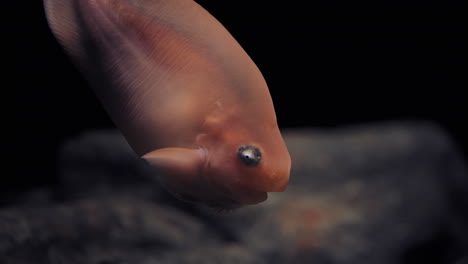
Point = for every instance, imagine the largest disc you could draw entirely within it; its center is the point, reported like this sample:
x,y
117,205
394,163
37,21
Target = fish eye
x,y
249,155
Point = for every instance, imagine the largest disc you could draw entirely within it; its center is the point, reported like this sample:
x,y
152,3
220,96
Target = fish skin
x,y
183,92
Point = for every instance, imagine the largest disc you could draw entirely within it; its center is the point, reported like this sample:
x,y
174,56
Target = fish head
x,y
244,161
231,167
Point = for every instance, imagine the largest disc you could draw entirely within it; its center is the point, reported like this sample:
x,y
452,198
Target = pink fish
x,y
184,93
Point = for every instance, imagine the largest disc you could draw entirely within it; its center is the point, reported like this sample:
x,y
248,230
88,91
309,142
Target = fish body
x,y
185,95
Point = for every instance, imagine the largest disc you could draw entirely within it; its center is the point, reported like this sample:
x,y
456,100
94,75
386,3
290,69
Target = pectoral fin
x,y
177,168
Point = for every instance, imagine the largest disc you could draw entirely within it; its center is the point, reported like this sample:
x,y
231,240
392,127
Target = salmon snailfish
x,y
186,96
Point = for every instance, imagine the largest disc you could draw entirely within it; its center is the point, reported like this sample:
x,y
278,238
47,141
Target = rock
x,y
381,193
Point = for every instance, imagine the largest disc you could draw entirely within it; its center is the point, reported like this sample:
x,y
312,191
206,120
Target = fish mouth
x,y
218,204
225,202
238,201
220,198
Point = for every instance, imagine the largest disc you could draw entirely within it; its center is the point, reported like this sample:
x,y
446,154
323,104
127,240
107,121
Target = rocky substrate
x,y
378,193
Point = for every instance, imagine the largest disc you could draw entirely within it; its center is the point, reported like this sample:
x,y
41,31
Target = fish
x,y
186,96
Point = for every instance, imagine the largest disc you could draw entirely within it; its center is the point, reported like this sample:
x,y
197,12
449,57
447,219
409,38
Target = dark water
x,y
328,65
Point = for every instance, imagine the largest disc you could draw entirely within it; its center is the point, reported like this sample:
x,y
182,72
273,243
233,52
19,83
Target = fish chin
x,y
212,194
220,203
229,203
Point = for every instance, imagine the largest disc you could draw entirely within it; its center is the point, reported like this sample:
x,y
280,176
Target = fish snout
x,y
273,181
278,182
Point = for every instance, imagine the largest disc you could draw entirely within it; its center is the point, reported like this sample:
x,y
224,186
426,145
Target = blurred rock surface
x,y
382,193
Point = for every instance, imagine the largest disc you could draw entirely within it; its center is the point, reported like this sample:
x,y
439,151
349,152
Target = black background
x,y
327,63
